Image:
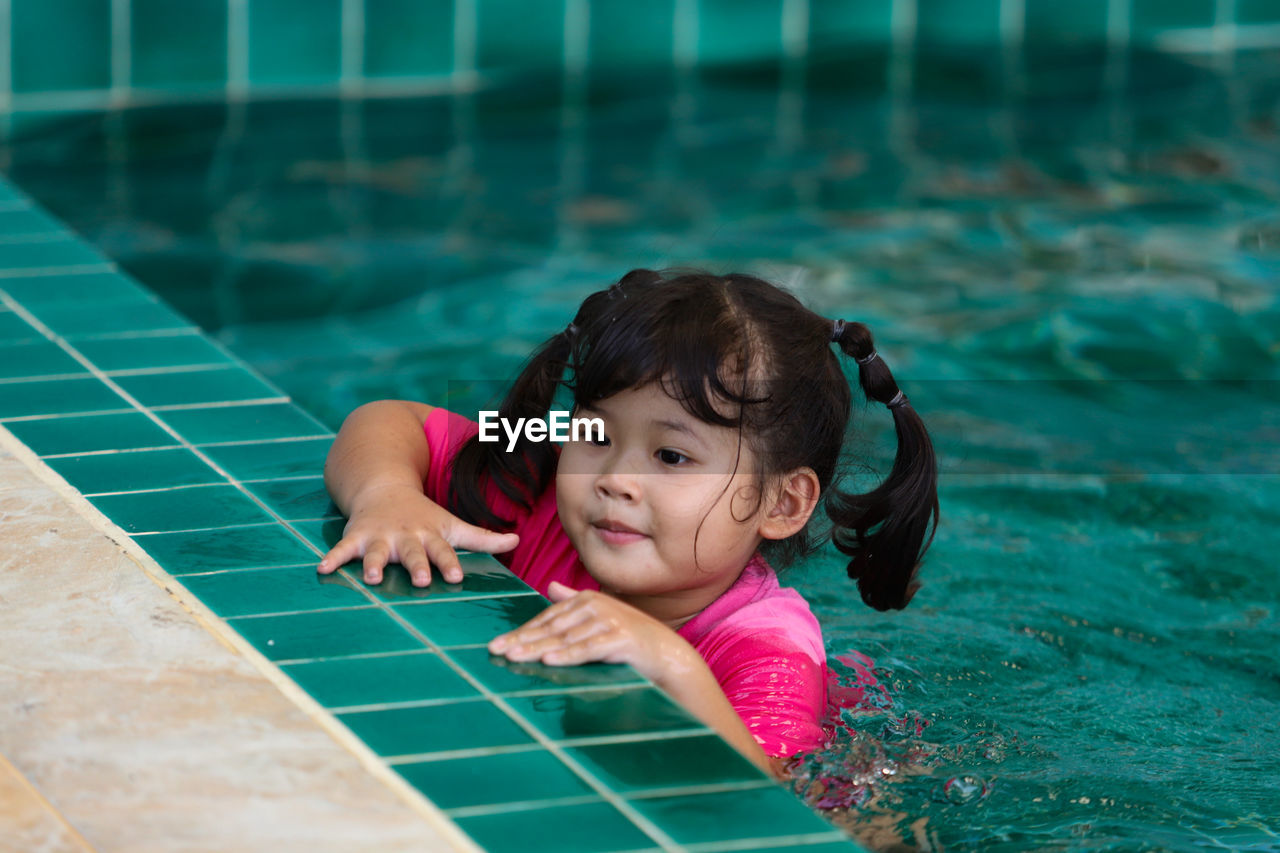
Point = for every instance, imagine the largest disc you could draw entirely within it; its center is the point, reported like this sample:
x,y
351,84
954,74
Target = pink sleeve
x,y
777,689
545,553
446,432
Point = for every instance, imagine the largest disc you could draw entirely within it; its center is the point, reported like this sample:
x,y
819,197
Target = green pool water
x,y
1073,273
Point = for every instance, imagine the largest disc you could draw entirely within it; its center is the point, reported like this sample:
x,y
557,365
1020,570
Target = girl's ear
x,y
791,504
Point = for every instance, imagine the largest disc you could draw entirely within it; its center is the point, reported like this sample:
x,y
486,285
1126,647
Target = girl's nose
x,y
617,483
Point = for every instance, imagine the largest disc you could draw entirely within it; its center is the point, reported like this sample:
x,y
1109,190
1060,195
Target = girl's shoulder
x,y
758,609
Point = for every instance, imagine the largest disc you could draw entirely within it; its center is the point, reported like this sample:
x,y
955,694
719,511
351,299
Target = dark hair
x,y
703,336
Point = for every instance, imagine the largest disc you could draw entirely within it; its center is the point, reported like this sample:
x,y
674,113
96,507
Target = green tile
x,y
295,41
591,713
60,45
91,433
258,546
948,23
407,38
434,728
57,253
74,288
453,623
272,459
756,813
27,221
1084,21
739,30
94,319
503,676
14,329
537,42
56,397
329,633
833,25
258,422
178,44
521,776
183,349
620,36
279,590
1151,16
192,508
145,469
37,358
666,763
384,679
589,828
189,387
296,499
1257,12
481,575
322,534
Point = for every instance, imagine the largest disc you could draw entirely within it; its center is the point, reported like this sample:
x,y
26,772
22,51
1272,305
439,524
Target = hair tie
x,y
899,399
867,359
837,329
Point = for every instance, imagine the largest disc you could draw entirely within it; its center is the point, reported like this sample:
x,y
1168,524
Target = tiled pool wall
x,y
216,475
68,55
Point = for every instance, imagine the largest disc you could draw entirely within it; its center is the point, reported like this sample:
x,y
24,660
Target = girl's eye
x,y
667,456
597,439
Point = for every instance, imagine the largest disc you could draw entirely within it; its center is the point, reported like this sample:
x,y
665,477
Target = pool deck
x,y
135,720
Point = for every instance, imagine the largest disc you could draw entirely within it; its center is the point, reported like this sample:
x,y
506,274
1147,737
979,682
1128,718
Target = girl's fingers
x,y
444,558
596,647
376,558
558,592
471,538
550,614
546,630
339,555
414,559
537,648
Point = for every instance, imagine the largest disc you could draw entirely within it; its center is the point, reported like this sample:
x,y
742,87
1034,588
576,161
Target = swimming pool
x,y
1073,278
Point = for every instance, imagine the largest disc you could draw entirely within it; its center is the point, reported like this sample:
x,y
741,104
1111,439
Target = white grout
x,y
121,51
351,60
6,63
685,33
464,37
70,269
237,49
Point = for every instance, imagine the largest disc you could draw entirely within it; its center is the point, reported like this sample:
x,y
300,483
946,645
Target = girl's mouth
x,y
616,533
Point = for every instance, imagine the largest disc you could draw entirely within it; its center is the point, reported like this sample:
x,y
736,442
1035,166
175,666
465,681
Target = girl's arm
x,y
592,626
375,472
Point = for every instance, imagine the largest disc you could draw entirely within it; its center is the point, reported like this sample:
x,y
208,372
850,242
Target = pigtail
x,y
883,530
526,471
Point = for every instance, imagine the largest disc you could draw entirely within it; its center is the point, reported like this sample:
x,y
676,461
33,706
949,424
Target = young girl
x,y
724,410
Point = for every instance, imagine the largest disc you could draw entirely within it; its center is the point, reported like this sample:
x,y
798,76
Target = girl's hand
x,y
580,627
590,626
400,524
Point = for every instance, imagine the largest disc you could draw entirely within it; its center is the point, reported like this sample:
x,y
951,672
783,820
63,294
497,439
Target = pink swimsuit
x,y
761,642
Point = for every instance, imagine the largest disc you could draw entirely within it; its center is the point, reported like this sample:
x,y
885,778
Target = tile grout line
x,y
609,795
121,51
640,821
68,269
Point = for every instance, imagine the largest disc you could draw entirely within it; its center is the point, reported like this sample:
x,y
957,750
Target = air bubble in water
x,y
960,790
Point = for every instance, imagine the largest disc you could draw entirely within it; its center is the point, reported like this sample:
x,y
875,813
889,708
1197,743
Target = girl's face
x,y
664,511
